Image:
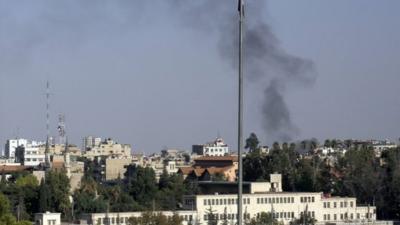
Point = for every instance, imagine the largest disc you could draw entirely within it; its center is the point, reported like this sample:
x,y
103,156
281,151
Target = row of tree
x,y
357,173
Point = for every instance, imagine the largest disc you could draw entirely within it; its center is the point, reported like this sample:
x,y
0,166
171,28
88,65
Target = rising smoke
x,y
265,61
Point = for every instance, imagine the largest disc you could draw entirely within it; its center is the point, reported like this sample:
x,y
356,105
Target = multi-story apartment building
x,y
108,147
29,155
11,145
215,148
258,197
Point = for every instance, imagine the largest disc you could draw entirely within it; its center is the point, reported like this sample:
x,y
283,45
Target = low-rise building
x,y
215,148
48,218
258,197
207,167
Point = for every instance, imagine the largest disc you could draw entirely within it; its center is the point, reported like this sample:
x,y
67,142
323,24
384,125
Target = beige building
x,y
58,149
108,148
116,167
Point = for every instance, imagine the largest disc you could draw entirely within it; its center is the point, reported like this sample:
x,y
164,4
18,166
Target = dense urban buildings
x,y
211,180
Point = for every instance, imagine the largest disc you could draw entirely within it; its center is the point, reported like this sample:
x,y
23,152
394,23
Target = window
x,y
334,217
258,201
329,216
262,200
205,217
325,217
313,199
212,202
224,201
328,204
324,204
292,199
341,204
334,205
301,199
351,204
205,201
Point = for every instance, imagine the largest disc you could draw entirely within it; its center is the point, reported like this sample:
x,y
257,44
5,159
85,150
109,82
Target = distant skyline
x,y
143,74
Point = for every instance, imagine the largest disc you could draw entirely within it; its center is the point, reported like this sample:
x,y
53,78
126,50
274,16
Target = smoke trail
x,y
265,61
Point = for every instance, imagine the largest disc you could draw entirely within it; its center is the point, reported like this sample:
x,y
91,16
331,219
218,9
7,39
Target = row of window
x,y
227,216
307,199
276,215
282,215
342,204
33,160
271,200
216,150
225,201
275,200
308,213
345,216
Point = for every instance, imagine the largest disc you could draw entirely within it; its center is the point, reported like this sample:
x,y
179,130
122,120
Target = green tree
x,y
304,219
150,218
141,185
87,200
171,191
252,142
6,217
212,217
264,219
58,186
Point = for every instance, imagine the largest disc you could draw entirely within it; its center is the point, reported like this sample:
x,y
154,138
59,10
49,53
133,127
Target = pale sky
x,y
151,75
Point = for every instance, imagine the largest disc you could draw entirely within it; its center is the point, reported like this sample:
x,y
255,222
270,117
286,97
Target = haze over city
x,y
153,75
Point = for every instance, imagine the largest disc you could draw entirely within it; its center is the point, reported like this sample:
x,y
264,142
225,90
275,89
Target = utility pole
x,y
240,115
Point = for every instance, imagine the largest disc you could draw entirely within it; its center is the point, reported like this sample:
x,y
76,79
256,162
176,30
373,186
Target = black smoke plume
x,y
265,60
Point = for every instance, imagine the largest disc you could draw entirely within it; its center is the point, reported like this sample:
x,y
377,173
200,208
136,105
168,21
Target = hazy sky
x,y
151,73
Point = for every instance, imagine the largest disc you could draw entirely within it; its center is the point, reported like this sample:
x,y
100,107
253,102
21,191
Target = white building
x,y
48,218
29,155
380,146
215,148
260,197
11,145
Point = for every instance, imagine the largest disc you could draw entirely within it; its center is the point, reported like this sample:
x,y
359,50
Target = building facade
x,y
29,155
107,147
259,197
215,148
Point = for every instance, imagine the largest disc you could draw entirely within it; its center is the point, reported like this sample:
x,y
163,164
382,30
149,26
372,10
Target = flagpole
x,y
240,116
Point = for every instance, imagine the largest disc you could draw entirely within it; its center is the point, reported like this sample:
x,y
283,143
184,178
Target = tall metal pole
x,y
240,115
47,148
